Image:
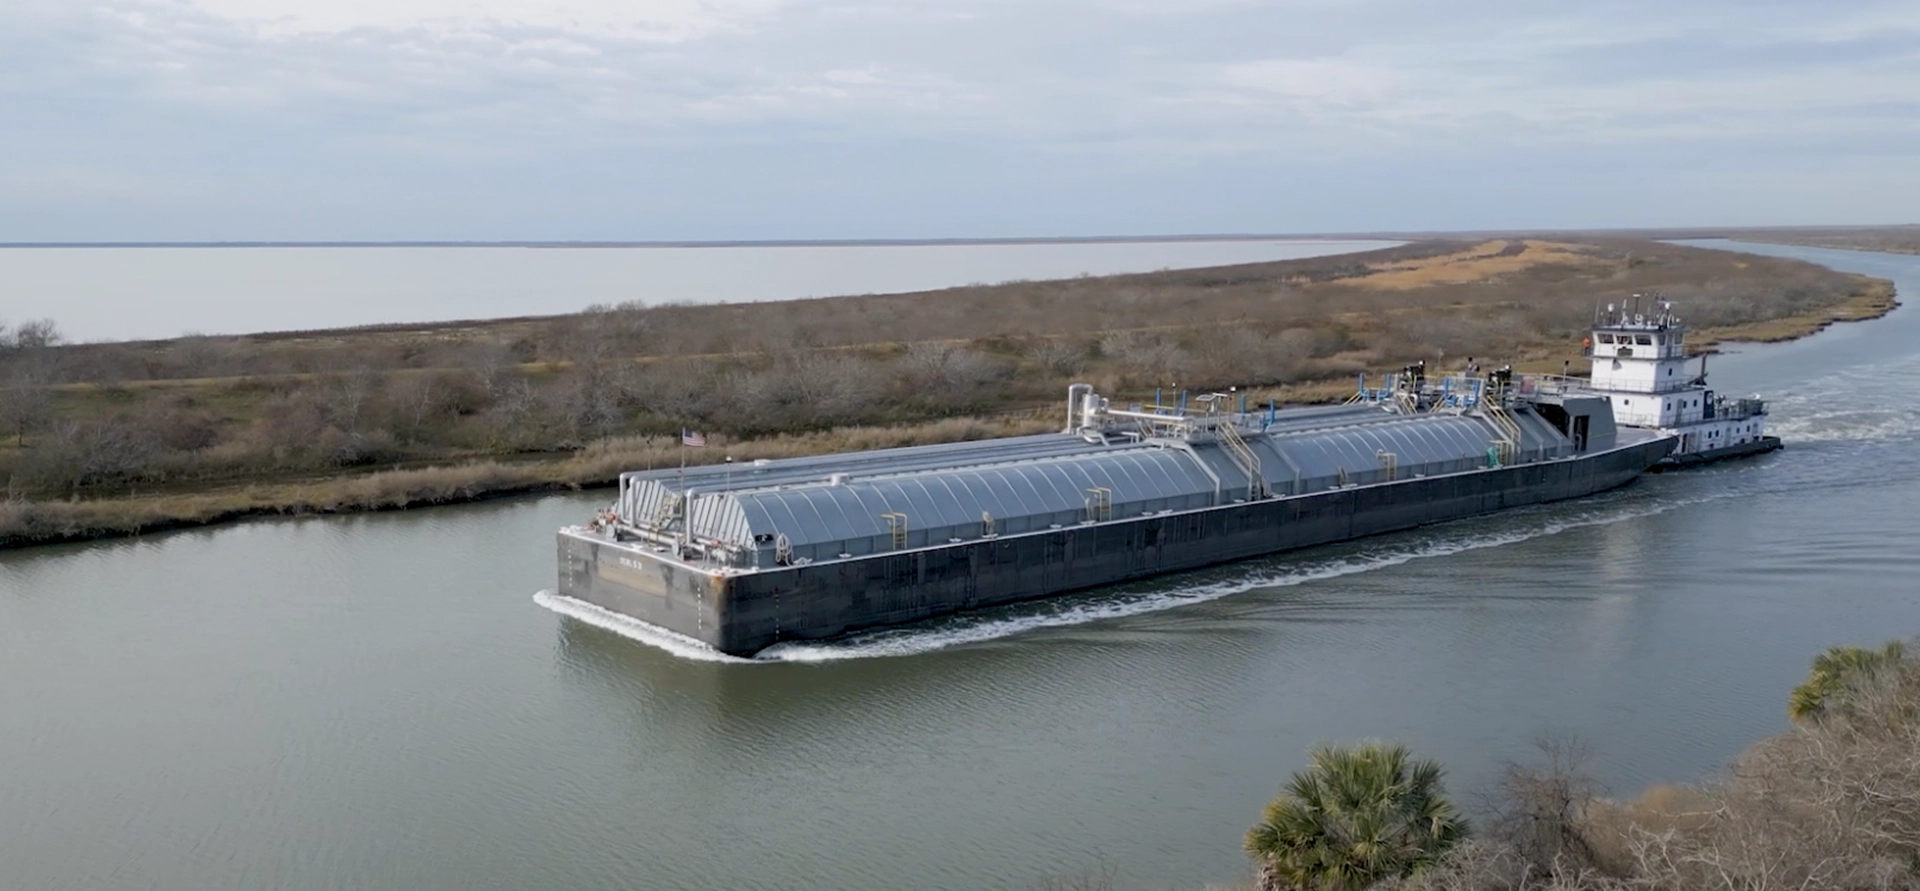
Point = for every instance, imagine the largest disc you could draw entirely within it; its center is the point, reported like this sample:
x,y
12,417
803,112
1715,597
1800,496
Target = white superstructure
x,y
1640,364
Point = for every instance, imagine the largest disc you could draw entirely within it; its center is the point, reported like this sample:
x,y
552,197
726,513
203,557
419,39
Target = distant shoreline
x,y
1809,236
1912,247
849,242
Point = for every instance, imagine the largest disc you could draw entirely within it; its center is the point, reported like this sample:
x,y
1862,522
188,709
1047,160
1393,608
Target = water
x,y
124,293
376,702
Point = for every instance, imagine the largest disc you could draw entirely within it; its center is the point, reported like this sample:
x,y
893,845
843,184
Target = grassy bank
x,y
1886,239
1871,299
108,439
45,522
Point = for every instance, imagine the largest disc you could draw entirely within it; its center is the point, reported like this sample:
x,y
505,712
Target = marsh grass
x,y
33,522
1871,299
1889,239
113,438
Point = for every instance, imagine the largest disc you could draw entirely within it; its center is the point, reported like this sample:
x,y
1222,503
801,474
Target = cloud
x,y
1316,81
405,100
629,19
88,185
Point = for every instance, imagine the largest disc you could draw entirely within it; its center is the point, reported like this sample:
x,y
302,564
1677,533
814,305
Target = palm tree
x,y
1357,816
1836,670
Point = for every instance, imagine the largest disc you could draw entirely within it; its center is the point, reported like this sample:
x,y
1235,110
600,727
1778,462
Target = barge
x,y
741,557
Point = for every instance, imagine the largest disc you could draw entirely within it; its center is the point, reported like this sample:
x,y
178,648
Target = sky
x,y
193,120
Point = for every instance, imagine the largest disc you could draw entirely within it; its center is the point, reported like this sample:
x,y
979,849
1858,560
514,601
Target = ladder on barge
x,y
1244,456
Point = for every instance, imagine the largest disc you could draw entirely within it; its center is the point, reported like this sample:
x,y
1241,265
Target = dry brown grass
x,y
24,523
1834,803
1871,299
1485,261
214,416
1890,239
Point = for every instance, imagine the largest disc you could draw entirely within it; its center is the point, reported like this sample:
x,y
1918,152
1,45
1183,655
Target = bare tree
x,y
491,364
1056,355
346,397
25,405
197,355
79,454
417,400
1145,358
513,422
843,388
31,335
1833,803
27,368
589,401
1542,808
947,376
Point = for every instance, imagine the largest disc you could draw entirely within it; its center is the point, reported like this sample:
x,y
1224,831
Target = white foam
x,y
1873,425
631,628
1865,404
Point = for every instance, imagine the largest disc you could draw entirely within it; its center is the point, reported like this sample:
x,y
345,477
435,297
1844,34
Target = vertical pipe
x,y
1363,383
1156,400
1243,403
1183,402
1076,405
1270,411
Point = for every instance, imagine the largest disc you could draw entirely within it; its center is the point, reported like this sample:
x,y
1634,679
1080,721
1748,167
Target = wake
x,y
1861,405
631,628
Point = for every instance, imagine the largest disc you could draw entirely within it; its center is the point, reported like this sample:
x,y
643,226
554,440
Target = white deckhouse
x,y
1639,362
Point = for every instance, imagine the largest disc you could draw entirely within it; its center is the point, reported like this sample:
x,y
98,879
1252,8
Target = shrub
x,y
1357,817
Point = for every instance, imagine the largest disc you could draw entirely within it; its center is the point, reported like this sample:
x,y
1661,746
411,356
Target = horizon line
x,y
1400,235
689,243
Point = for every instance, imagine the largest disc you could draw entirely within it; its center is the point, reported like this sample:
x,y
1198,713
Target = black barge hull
x,y
743,612
1759,446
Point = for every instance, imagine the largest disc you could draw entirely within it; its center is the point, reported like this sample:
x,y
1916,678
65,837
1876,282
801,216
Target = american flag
x,y
693,438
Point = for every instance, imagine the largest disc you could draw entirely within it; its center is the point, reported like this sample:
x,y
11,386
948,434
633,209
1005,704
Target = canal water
x,y
378,702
